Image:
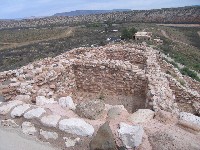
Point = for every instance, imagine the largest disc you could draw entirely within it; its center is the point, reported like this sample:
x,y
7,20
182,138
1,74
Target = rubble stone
x,y
28,128
70,142
190,118
131,136
9,123
34,113
19,110
67,102
90,109
50,120
7,107
142,115
48,135
76,126
104,139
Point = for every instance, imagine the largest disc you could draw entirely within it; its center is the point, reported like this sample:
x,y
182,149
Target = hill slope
x,y
89,12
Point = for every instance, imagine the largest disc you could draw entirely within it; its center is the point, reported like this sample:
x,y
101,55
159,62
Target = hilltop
x,y
89,12
167,15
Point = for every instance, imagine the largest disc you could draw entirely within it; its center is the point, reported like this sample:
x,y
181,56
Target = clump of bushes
x,y
188,72
128,33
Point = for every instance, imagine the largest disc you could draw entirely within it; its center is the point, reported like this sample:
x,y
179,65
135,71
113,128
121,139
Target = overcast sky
x,y
26,8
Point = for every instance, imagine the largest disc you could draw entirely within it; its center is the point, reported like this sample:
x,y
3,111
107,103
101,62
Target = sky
x,y
10,9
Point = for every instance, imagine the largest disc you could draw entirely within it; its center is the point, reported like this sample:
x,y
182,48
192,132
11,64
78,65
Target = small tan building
x,y
145,36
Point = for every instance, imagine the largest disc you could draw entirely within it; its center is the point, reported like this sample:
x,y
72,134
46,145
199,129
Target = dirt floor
x,y
130,102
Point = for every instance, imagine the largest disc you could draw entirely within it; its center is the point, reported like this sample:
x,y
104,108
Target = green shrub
x,y
188,72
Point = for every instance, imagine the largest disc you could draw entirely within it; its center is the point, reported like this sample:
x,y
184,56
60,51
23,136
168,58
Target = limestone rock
x,y
142,115
90,109
24,98
104,139
6,108
50,120
190,118
34,113
76,126
70,142
48,135
67,102
28,128
41,100
9,123
131,136
19,110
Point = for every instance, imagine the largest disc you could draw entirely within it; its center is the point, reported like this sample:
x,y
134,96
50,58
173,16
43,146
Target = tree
x,y
128,33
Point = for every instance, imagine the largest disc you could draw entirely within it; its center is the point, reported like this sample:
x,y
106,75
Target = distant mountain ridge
x,y
89,12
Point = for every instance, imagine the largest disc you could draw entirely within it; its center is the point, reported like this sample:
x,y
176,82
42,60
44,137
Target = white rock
x,y
1,103
34,113
70,142
76,126
131,136
28,128
6,108
41,100
190,118
51,120
67,102
19,110
9,123
142,115
24,98
48,135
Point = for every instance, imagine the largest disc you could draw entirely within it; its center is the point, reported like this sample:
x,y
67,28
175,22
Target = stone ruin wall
x,y
115,80
185,89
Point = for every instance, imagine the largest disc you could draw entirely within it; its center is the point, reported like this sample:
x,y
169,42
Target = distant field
x,y
19,47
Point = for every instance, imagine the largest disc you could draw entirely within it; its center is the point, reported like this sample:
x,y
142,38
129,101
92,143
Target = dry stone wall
x,y
39,97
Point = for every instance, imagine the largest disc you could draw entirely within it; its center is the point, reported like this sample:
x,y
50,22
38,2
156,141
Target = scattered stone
x,y
131,136
114,112
34,113
90,109
6,108
104,139
19,110
52,86
51,120
76,126
41,100
9,123
48,135
70,142
142,115
28,128
67,102
190,118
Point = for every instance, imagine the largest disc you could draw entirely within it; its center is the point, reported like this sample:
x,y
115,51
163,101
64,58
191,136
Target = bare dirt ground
x,y
67,33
